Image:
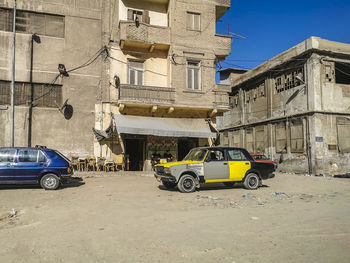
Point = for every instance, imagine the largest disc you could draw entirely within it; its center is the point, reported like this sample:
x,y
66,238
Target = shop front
x,y
148,140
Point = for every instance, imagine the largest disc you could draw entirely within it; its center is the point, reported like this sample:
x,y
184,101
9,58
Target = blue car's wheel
x,y
50,182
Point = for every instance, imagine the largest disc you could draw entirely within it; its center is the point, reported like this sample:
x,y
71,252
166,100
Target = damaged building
x,y
53,109
162,93
295,108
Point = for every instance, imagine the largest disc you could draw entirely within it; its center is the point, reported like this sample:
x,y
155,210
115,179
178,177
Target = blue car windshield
x,y
195,155
64,157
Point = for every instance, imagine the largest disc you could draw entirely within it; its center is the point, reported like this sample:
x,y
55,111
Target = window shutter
x,y
189,78
145,17
189,21
139,77
132,77
130,14
196,25
196,79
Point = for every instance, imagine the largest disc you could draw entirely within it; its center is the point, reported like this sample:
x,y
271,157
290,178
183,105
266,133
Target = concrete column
x,y
269,87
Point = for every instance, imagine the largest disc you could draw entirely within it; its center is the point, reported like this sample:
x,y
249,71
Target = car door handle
x,y
246,163
225,163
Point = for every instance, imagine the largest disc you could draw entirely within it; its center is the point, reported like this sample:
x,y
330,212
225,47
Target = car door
x,y
238,163
7,158
216,167
28,167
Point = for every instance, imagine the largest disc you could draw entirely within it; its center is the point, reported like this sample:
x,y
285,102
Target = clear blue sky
x,y
272,26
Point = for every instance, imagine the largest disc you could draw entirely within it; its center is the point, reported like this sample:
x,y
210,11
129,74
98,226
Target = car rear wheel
x,y
50,182
229,184
169,185
251,181
187,184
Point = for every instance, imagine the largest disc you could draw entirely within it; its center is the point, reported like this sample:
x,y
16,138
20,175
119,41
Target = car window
x,y
41,157
260,157
195,155
28,156
236,155
216,155
7,155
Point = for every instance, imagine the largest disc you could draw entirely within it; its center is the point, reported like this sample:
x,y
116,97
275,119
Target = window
x,y
193,21
142,16
236,137
249,141
193,75
236,155
7,155
31,22
49,96
281,138
342,73
260,139
41,157
136,73
343,130
289,80
28,156
215,155
297,136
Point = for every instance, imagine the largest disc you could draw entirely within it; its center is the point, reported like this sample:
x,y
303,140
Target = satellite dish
x,y
67,110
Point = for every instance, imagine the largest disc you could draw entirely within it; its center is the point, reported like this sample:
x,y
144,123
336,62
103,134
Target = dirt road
x,y
131,219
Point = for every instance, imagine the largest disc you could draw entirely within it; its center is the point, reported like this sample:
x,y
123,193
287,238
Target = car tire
x,y
169,185
251,181
187,184
50,182
229,184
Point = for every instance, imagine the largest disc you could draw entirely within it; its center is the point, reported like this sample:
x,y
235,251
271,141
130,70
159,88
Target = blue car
x,y
39,165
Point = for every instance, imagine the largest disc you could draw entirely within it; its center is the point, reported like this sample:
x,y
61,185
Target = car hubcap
x,y
50,182
253,181
188,183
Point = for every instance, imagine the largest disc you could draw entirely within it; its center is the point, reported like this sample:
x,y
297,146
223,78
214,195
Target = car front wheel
x,y
187,184
251,181
50,182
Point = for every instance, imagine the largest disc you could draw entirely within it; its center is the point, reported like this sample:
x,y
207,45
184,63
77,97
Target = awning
x,y
167,127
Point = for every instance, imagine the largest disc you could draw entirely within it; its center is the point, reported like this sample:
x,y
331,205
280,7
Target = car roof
x,y
28,148
221,148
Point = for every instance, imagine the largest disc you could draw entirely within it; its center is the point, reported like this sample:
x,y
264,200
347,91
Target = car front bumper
x,y
165,178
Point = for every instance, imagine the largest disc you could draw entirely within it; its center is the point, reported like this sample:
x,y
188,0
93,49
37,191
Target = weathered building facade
x,y
295,108
72,33
163,55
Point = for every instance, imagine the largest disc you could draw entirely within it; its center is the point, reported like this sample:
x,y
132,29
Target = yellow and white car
x,y
214,165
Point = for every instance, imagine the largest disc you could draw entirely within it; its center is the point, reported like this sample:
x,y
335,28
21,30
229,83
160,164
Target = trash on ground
x,y
13,212
254,218
347,175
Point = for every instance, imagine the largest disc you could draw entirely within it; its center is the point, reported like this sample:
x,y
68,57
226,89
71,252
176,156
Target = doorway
x,y
135,149
185,145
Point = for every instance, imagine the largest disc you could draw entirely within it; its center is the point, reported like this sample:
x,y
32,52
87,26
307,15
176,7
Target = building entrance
x,y
185,145
134,148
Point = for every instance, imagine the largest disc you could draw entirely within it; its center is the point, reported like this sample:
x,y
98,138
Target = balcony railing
x,y
145,33
222,45
222,99
146,94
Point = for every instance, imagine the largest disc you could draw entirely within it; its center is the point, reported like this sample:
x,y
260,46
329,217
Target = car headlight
x,y
167,170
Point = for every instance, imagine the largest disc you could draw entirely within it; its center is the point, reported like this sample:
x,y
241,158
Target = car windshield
x,y
195,155
260,157
64,157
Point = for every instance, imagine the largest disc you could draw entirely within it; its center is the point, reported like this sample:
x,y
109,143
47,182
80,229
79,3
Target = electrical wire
x,y
345,73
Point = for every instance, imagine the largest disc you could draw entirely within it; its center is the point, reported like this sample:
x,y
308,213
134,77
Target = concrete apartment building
x,y
295,108
71,32
162,75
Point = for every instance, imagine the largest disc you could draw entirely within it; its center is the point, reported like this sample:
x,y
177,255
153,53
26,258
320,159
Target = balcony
x,y
146,95
146,35
221,8
222,100
222,45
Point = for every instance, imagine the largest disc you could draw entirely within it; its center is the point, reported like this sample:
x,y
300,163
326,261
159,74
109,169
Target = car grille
x,y
160,169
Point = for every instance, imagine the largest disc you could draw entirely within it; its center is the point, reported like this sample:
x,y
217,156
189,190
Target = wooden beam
x,y
154,109
171,110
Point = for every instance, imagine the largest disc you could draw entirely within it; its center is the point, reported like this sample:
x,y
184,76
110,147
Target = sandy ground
x,y
129,218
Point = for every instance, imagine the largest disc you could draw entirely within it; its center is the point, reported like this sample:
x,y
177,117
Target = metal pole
x,y
30,111
12,119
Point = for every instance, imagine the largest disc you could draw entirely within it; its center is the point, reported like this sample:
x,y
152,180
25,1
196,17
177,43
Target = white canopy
x,y
168,127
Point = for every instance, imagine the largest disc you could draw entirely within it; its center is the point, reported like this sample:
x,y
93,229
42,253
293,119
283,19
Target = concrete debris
x,y
13,212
